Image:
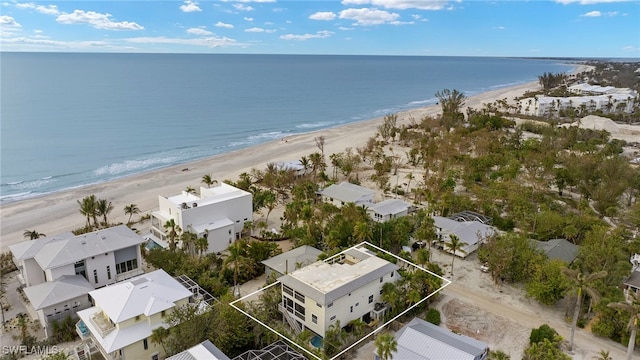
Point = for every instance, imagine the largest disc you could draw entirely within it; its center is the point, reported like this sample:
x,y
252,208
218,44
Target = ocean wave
x,y
15,197
319,124
30,184
129,166
257,139
420,103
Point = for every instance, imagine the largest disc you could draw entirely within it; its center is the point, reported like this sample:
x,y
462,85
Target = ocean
x,y
73,119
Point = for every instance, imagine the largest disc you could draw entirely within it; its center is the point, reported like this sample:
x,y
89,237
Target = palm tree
x,y
131,209
188,241
580,284
498,355
202,244
208,180
103,208
362,232
237,259
174,230
633,308
32,234
423,257
604,355
160,336
386,345
304,161
88,209
454,245
190,189
270,202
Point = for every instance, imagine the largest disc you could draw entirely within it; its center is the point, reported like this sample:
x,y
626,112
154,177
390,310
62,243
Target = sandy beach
x,y
58,212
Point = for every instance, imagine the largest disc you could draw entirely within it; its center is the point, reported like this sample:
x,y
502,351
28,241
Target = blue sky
x,y
549,28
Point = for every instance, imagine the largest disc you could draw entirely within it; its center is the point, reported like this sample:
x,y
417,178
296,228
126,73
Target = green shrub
x,y
543,332
433,316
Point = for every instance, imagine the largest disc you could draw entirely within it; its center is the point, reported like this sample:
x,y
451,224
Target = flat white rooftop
x,y
212,195
328,277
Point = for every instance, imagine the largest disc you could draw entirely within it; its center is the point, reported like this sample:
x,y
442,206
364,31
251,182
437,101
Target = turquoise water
x,y
316,341
72,119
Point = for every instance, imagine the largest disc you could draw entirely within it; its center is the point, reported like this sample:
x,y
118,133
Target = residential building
x,y
422,340
58,272
343,288
471,233
291,260
346,192
557,249
203,351
632,283
124,315
217,214
295,167
388,209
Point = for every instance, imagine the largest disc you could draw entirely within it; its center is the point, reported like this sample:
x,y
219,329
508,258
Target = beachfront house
x,y
218,214
422,340
57,272
471,233
343,288
125,314
291,260
346,192
388,209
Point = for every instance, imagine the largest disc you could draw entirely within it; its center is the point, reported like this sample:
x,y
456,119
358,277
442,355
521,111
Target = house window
x,y
391,274
287,290
229,231
370,299
163,313
380,279
126,266
137,317
357,303
330,305
351,309
109,272
332,318
145,344
380,291
299,297
300,311
314,319
95,276
318,305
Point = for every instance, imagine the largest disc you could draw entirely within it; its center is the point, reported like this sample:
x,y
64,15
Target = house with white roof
x,y
125,314
58,272
217,214
346,192
472,233
343,288
388,209
203,351
422,340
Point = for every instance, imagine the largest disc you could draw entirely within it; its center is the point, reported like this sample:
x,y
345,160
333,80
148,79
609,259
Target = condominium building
x,y
217,214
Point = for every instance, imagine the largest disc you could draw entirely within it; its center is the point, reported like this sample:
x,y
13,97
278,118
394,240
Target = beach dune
x,y
59,212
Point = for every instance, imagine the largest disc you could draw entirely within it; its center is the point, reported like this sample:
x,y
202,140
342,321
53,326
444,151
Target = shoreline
x,y
58,212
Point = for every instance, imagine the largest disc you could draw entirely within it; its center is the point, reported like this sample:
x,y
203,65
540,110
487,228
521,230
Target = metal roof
x,y
303,255
346,192
203,351
421,340
55,292
389,207
633,280
559,249
28,249
63,252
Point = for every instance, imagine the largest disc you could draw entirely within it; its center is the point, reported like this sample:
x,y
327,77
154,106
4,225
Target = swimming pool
x,y
316,341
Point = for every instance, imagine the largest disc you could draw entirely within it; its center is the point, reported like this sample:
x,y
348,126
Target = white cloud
x,y
26,5
498,27
588,2
190,6
212,42
345,28
223,25
199,31
37,31
318,35
323,15
49,10
241,7
402,4
8,25
592,14
259,30
248,18
97,20
367,16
